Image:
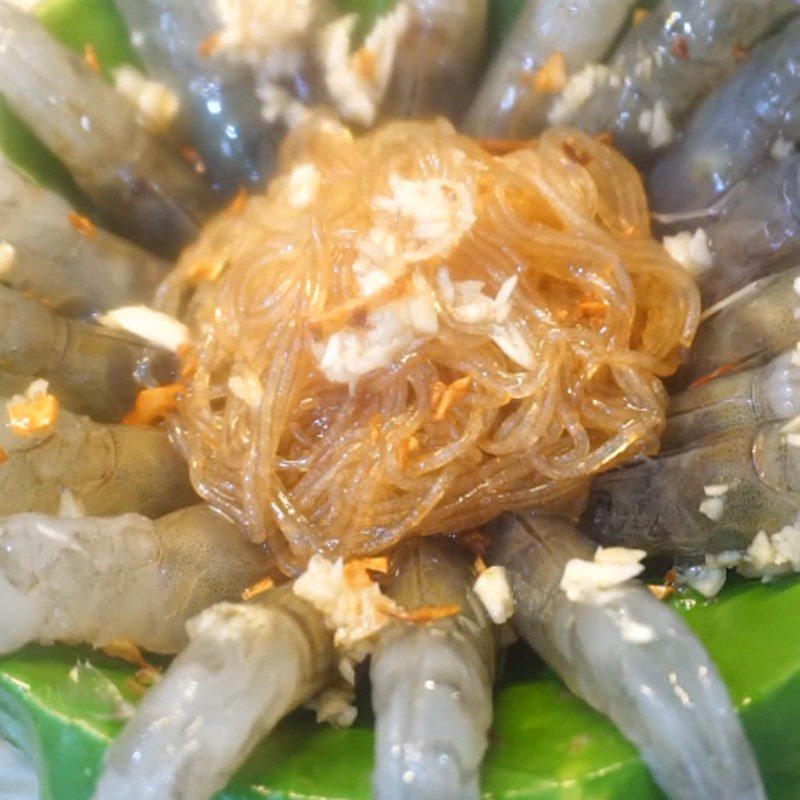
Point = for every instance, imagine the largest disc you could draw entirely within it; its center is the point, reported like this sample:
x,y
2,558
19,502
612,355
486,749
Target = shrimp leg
x,y
219,114
432,683
438,58
75,272
508,104
745,398
146,190
95,367
733,129
756,323
632,658
246,666
111,469
708,498
97,579
756,226
662,66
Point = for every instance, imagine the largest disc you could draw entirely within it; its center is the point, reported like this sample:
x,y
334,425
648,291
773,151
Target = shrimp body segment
x,y
681,50
734,129
755,228
96,579
218,112
516,92
661,504
110,469
438,58
76,272
94,367
146,190
739,400
755,324
432,683
246,666
632,658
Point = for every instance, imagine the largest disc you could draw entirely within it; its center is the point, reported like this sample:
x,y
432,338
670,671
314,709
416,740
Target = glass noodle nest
x,y
353,385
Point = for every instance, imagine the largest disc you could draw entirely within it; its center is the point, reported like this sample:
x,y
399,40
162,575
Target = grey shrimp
x,y
146,190
96,579
246,666
632,658
76,272
709,497
754,324
438,58
95,368
218,112
739,400
734,128
681,50
110,469
432,683
508,104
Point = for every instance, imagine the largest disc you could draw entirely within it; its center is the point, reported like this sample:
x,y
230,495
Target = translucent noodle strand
x,y
497,409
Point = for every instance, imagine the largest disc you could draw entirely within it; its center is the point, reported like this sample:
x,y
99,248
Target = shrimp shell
x,y
97,579
246,666
632,658
432,683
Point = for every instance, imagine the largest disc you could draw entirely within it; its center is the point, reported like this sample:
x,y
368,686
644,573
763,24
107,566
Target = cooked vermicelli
x,y
408,334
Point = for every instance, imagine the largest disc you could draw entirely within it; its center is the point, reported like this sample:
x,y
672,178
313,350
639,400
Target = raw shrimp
x,y
632,658
733,129
508,104
741,399
97,579
95,367
753,229
663,65
218,112
756,323
246,666
75,271
146,190
19,777
707,498
432,683
438,59
111,469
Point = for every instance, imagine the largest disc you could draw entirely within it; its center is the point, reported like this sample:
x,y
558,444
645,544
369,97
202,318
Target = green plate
x,y
545,743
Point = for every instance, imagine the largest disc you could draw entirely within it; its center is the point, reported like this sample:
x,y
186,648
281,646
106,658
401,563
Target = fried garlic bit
x,y
153,405
33,412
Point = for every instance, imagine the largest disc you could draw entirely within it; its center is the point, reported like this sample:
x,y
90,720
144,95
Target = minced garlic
x,y
157,105
579,88
357,82
656,124
304,181
153,326
492,589
335,705
691,250
390,331
352,603
251,30
586,581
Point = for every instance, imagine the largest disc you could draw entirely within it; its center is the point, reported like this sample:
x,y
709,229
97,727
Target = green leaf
x,y
545,743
